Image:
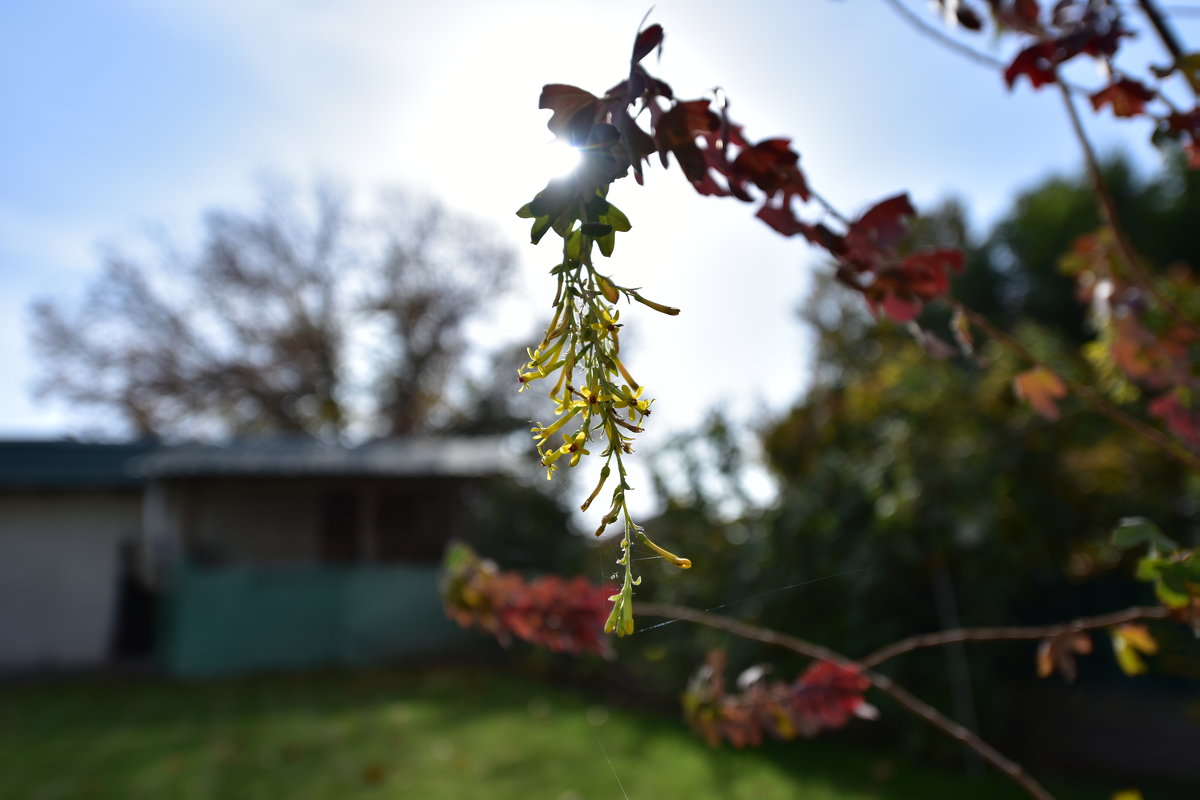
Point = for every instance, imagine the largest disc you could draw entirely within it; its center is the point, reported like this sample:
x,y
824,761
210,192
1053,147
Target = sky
x,y
125,116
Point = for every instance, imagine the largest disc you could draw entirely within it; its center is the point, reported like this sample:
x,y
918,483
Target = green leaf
x,y
540,226
606,243
573,245
616,218
596,230
1136,531
1176,578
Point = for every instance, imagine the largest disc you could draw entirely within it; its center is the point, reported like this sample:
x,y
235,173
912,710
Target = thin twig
x,y
991,755
1010,768
941,37
1089,395
745,631
1159,22
1108,211
1012,633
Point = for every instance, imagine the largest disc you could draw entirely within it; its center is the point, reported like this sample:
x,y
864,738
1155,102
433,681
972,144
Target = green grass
x,y
456,733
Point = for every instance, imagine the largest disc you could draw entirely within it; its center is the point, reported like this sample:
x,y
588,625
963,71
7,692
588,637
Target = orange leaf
x,y
1041,388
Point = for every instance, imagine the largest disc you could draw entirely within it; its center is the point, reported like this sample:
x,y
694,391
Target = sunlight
x,y
558,159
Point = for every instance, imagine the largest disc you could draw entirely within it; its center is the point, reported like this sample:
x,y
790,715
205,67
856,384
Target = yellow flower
x,y
574,446
606,323
589,399
543,432
632,399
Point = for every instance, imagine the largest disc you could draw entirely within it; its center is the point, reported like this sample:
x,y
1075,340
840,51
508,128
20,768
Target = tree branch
x,y
1012,633
1159,22
1108,211
991,755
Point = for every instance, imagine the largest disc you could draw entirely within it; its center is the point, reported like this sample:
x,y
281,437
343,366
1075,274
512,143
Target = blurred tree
x,y
919,491
1013,273
302,318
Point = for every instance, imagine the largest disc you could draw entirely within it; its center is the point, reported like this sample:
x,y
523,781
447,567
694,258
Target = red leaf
x,y
647,41
968,17
784,220
830,692
883,225
676,133
925,273
1127,97
1037,62
1184,422
567,103
1028,10
898,309
771,165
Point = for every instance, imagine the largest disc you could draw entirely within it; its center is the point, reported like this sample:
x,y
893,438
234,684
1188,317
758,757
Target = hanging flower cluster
x,y
825,697
566,616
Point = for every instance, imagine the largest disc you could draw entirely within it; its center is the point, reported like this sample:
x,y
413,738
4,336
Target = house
x,y
254,555
68,511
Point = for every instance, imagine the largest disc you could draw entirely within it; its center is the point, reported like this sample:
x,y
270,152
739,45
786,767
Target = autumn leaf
x,y
1127,97
1130,642
647,41
960,326
771,165
882,226
676,133
1038,63
1028,10
1179,416
567,103
1057,654
1041,387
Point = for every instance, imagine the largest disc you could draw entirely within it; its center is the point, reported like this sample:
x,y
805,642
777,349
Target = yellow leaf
x,y
1045,659
1127,794
1138,637
1128,641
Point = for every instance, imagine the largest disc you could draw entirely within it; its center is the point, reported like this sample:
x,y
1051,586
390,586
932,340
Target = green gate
x,y
231,620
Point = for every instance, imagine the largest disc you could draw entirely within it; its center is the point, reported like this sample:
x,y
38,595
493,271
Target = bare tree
x,y
259,331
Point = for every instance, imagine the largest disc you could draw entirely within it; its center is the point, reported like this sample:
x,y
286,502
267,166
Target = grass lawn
x,y
457,733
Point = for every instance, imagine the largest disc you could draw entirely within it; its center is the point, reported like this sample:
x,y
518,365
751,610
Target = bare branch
x,y
1163,28
1108,211
991,755
1013,633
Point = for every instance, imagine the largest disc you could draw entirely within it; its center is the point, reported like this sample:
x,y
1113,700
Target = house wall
x,y
59,572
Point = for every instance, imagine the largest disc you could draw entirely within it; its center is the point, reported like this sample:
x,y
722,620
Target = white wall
x,y
58,575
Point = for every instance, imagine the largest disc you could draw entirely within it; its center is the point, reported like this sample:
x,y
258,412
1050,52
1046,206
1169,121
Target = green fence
x,y
235,620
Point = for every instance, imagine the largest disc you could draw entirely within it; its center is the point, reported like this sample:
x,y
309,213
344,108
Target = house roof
x,y
66,464
409,457
85,465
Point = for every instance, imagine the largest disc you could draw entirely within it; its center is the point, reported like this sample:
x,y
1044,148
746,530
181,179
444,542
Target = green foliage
x,y
1174,573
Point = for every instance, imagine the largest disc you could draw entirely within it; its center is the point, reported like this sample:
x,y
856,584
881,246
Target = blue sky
x,y
127,115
